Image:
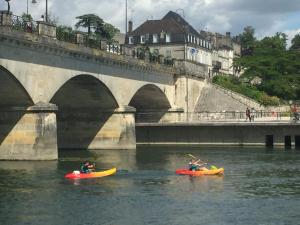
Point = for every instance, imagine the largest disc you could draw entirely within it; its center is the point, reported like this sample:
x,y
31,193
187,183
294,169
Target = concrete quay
x,y
220,133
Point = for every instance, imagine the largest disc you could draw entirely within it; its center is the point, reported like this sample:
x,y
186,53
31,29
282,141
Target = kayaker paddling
x,y
87,167
195,166
79,175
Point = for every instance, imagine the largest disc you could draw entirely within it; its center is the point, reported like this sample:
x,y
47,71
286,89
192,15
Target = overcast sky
x,y
266,16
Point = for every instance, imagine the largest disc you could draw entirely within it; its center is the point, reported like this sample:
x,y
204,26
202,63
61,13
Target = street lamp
x,y
126,17
34,1
8,5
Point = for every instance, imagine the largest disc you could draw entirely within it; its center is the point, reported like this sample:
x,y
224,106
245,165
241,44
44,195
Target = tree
x,y
247,39
90,21
27,17
279,41
278,68
96,25
295,42
65,33
107,31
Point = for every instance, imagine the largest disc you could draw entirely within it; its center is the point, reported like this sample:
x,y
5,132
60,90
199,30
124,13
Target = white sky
x,y
266,16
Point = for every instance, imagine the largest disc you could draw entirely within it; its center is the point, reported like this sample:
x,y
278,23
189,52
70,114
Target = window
x,y
155,38
130,40
168,38
142,39
147,37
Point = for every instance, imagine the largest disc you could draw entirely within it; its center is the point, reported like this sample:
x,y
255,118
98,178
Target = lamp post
x,y
126,17
8,6
34,1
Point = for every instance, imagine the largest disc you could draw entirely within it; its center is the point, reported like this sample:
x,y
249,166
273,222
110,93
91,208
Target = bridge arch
x,y
85,104
14,100
150,102
12,91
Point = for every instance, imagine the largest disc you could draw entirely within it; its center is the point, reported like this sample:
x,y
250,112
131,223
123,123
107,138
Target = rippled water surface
x,y
259,187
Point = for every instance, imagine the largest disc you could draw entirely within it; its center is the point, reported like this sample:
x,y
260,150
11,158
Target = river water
x,y
259,186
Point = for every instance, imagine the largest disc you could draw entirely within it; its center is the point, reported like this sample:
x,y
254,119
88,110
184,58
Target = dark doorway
x,y
288,141
297,141
269,141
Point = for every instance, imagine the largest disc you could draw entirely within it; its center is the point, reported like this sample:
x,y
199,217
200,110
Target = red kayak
x,y
78,175
200,172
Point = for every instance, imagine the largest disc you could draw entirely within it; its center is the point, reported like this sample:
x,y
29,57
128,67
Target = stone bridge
x,y
57,95
60,95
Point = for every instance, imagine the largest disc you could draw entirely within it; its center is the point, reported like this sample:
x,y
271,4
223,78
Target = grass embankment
x,y
235,84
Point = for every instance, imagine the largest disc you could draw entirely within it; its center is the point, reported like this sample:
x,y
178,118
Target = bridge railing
x,y
76,37
226,116
66,37
88,41
22,24
238,116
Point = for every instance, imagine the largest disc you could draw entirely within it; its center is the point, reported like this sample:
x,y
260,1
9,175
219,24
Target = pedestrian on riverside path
x,y
248,114
295,112
252,114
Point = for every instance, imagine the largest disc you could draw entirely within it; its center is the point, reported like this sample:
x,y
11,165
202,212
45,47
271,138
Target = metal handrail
x,y
225,116
19,23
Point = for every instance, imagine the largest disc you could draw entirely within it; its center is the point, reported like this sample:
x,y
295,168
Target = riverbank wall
x,y
238,134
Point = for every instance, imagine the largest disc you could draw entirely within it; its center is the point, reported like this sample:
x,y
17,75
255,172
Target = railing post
x,y
46,29
6,18
79,38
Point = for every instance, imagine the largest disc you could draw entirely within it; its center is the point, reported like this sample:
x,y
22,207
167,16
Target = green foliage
x,y
269,100
97,26
107,31
26,17
247,39
65,33
295,42
90,21
278,68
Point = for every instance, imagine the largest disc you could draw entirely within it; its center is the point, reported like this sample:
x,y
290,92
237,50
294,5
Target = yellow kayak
x,y
200,172
78,175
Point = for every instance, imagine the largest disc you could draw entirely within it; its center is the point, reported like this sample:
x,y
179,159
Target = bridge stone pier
x,y
57,95
28,133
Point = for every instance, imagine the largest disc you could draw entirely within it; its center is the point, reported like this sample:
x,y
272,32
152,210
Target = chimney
x,y
130,26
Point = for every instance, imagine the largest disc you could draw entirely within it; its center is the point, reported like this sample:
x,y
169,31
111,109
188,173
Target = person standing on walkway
x,y
252,114
295,112
248,114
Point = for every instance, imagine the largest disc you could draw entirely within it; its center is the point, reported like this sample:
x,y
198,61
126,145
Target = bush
x,y
234,84
269,100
